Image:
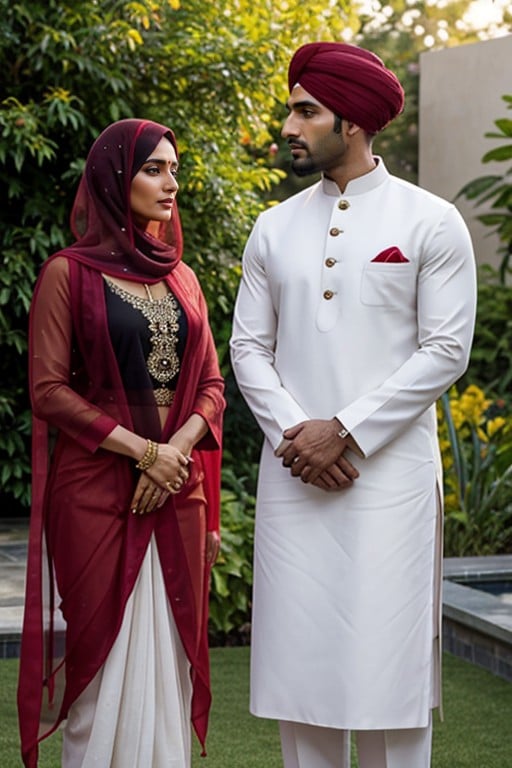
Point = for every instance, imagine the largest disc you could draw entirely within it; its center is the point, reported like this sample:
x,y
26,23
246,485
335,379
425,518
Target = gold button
x,y
343,205
328,295
330,262
334,232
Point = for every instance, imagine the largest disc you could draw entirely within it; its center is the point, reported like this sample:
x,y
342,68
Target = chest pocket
x,y
388,285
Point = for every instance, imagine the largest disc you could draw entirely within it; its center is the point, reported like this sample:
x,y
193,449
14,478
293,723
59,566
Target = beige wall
x,y
460,97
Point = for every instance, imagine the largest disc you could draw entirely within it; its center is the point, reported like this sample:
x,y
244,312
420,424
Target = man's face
x,y
309,130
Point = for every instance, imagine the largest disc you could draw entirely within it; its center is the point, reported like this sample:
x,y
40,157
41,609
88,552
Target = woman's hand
x,y
170,470
212,547
167,475
148,496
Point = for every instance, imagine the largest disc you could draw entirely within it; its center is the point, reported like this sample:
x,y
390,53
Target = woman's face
x,y
154,186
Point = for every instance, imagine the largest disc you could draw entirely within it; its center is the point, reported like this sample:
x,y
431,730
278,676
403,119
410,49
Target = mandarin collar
x,y
359,185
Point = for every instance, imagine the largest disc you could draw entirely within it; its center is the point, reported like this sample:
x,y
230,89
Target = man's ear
x,y
352,128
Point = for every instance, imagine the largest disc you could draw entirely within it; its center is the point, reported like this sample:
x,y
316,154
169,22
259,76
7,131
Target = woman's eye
x,y
153,170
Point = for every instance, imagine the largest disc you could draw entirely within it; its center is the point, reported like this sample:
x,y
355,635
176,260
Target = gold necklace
x,y
163,321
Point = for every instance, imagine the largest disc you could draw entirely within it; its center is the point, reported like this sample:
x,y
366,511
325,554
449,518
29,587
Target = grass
x,y
476,733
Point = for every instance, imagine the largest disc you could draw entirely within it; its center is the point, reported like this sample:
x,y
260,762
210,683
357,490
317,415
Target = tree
x,y
214,72
399,32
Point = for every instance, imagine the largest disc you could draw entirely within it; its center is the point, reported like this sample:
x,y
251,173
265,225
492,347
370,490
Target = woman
x,y
124,375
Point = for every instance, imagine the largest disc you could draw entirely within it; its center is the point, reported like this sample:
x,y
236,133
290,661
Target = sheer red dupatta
x,y
115,549
109,548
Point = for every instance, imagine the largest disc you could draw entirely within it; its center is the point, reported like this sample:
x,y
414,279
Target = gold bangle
x,y
150,456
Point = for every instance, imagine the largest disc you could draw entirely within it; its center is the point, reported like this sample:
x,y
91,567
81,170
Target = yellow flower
x,y
473,404
457,414
451,503
481,435
494,425
135,36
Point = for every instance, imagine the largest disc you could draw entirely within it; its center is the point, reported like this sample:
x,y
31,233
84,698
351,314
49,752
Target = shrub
x,y
230,601
491,356
476,447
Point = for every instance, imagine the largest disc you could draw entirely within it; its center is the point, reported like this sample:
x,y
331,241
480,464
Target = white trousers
x,y
310,746
136,712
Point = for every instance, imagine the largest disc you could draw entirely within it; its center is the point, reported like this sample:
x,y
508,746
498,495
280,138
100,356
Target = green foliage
x,y
399,32
496,190
230,603
491,356
77,67
476,730
216,73
68,71
476,444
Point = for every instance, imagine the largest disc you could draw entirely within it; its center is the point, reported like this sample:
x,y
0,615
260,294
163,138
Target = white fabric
x,y
409,748
310,746
307,746
344,583
136,711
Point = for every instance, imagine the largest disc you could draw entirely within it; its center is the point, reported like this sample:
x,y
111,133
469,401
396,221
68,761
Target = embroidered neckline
x,y
162,315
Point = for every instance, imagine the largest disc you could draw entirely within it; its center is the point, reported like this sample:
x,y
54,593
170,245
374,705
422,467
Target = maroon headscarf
x,y
350,81
101,219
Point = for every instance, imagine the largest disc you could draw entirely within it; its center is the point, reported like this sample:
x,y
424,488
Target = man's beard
x,y
304,166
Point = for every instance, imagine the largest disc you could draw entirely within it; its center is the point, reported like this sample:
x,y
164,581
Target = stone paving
x,y
13,555
477,626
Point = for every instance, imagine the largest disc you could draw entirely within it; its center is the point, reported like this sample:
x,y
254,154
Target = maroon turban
x,y
350,81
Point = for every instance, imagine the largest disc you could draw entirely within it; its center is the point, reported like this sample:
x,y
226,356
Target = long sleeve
x,y
53,398
209,400
253,346
446,307
376,355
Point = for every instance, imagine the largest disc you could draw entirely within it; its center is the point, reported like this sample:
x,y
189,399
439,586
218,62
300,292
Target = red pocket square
x,y
391,255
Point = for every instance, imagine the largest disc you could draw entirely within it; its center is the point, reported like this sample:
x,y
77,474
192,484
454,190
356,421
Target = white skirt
x,y
136,711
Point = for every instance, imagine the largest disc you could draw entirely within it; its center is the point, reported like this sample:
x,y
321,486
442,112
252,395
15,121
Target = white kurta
x,y
344,601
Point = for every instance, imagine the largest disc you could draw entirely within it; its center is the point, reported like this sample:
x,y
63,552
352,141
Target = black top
x,y
131,340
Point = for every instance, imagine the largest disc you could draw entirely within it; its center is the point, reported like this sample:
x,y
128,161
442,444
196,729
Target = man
x,y
355,312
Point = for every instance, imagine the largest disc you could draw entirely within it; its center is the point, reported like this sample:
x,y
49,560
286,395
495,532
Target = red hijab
x,y
101,219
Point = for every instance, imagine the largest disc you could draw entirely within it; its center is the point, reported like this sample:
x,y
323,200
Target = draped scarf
x,y
99,543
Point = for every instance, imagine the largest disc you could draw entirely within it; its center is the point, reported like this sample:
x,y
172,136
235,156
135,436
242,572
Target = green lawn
x,y
476,733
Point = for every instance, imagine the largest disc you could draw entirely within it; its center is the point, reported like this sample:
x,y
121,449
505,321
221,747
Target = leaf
x,y
491,219
499,153
505,125
475,188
